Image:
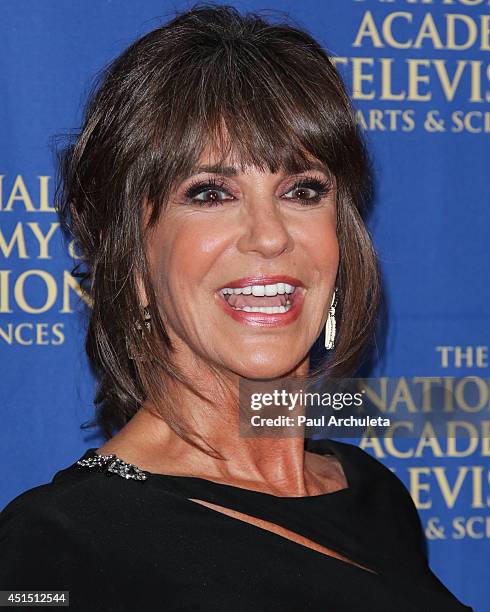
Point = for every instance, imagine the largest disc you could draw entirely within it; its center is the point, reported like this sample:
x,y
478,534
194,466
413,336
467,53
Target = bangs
x,y
252,106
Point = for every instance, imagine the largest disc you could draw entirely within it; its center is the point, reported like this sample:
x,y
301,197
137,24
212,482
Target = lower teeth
x,y
266,309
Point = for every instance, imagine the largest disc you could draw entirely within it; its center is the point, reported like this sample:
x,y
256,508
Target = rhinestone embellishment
x,y
111,464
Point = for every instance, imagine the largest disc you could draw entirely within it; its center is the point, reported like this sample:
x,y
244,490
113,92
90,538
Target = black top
x,y
126,544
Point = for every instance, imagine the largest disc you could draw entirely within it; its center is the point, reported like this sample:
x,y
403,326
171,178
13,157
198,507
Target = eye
x,y
210,191
309,190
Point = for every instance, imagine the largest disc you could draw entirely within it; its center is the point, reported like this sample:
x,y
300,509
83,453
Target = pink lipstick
x,y
263,300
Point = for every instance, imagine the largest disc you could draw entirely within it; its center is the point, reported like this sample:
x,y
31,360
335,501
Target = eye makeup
x,y
321,187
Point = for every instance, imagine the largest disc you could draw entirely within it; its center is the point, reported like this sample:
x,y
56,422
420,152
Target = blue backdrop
x,y
420,79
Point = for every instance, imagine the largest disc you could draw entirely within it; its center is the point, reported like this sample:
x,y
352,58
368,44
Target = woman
x,y
216,190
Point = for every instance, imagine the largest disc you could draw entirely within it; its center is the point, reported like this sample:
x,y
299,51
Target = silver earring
x,y
146,322
330,326
146,319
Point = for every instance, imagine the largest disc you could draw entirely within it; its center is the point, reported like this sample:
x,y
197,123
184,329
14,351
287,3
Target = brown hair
x,y
266,92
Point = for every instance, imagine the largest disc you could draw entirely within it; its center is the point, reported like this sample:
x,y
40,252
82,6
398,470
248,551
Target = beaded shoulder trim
x,y
111,464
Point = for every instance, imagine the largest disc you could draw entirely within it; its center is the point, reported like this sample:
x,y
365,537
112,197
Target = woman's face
x,y
244,266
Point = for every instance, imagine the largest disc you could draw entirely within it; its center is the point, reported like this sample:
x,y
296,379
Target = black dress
x,y
138,543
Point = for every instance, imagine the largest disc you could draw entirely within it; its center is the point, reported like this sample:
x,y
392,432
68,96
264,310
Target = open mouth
x,y
271,299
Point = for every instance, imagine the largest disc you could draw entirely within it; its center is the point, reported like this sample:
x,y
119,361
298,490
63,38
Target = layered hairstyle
x,y
264,93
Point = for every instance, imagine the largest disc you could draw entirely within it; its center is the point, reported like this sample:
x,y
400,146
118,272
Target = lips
x,y
263,300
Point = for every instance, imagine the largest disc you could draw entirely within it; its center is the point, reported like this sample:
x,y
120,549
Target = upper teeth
x,y
261,290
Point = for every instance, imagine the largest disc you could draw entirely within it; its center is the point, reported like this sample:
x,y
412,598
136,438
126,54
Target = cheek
x,y
181,255
319,240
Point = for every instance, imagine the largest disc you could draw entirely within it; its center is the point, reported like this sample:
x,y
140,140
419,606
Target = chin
x,y
267,366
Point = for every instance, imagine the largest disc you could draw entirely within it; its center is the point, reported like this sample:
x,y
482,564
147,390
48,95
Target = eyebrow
x,y
232,171
216,169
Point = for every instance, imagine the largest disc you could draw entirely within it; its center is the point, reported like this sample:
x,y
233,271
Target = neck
x,y
272,464
275,465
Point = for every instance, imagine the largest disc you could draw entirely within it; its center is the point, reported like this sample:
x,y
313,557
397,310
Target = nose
x,y
265,231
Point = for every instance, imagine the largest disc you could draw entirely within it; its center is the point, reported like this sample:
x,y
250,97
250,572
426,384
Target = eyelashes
x,y
199,187
321,187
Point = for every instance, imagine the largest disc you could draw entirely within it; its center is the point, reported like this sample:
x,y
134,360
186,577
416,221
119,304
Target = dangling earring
x,y
146,321
330,326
